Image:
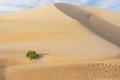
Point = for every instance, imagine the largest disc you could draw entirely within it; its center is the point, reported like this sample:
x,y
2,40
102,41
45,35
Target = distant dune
x,y
75,43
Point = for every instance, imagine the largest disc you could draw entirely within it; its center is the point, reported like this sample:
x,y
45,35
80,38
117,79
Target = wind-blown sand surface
x,y
75,43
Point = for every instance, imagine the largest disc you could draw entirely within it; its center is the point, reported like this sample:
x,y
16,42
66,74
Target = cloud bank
x,y
16,5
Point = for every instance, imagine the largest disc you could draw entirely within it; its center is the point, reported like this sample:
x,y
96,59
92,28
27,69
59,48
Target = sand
x,y
75,43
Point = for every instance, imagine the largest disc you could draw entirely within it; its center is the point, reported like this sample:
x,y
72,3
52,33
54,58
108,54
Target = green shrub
x,y
32,54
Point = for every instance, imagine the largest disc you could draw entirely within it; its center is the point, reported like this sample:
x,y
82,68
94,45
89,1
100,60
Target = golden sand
x,y
75,43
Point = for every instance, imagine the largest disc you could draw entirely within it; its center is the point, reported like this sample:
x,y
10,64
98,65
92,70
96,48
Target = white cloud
x,y
107,3
8,8
13,5
83,1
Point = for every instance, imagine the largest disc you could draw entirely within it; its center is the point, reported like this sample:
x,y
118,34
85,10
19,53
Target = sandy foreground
x,y
75,43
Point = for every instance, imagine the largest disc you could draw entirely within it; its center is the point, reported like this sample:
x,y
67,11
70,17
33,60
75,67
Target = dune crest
x,y
93,21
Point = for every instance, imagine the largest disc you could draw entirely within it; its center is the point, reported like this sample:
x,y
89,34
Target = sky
x,y
7,6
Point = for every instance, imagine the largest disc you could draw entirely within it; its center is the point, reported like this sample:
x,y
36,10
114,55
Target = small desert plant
x,y
32,54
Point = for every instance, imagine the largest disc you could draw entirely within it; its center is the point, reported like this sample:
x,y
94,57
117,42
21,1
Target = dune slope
x,y
75,43
101,22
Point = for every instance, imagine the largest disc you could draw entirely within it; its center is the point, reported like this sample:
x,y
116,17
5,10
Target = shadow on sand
x,y
98,25
39,55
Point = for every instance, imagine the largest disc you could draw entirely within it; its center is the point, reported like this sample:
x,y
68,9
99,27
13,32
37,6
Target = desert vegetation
x,y
32,54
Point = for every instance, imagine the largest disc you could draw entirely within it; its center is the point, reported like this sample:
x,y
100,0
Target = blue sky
x,y
16,5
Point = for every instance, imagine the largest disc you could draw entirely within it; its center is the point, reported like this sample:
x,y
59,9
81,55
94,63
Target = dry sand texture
x,y
75,43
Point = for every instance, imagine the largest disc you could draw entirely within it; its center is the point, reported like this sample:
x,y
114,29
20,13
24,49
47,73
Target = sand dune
x,y
103,26
95,71
76,43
